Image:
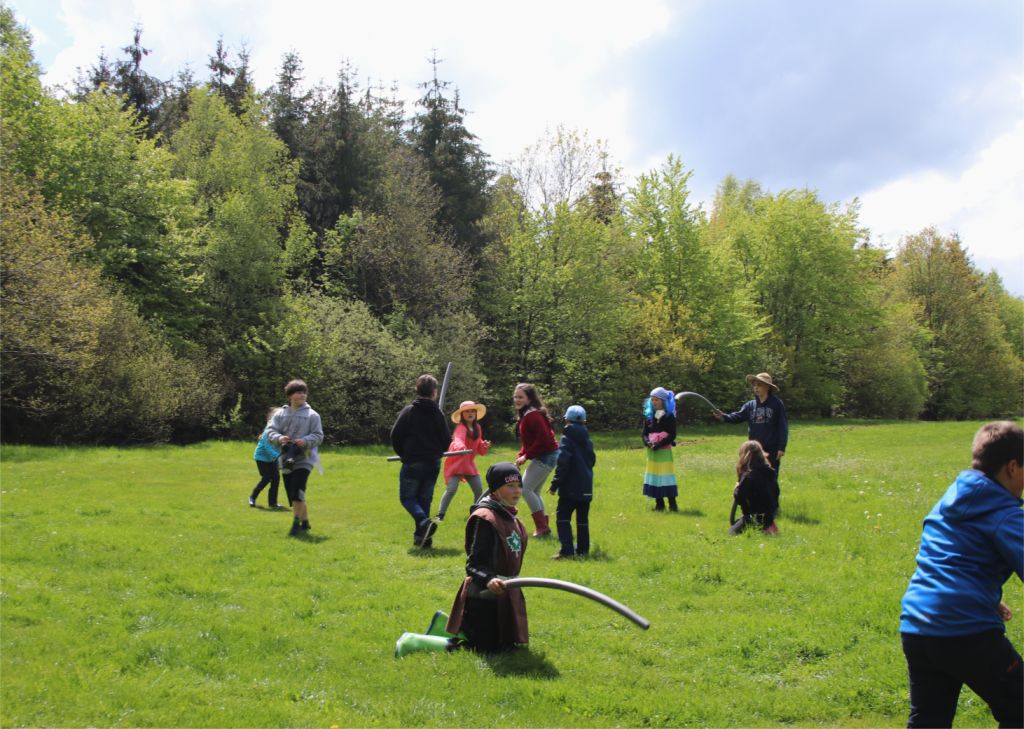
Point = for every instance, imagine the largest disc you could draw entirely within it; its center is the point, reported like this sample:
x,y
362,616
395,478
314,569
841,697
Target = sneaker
x,y
771,529
295,531
439,517
428,530
252,501
305,526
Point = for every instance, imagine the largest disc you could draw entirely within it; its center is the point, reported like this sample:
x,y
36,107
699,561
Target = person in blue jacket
x,y
266,455
951,623
765,417
574,484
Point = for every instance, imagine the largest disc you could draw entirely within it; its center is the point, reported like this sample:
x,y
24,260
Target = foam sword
x,y
581,591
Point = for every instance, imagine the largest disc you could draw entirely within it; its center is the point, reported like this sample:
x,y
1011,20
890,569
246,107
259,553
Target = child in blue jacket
x,y
266,455
952,616
574,483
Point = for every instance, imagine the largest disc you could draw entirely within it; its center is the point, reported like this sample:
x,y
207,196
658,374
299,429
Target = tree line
x,y
174,251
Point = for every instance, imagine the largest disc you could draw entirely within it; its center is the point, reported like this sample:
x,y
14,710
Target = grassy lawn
x,y
139,589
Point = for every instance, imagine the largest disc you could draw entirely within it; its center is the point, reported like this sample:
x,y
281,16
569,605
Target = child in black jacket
x,y
757,490
574,483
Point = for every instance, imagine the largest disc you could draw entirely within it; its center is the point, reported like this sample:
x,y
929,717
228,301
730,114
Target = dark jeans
x,y
758,521
774,462
563,520
268,476
416,489
295,484
939,667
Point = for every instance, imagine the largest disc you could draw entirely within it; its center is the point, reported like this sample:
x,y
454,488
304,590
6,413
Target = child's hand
x,y
496,586
284,440
1004,612
520,460
300,442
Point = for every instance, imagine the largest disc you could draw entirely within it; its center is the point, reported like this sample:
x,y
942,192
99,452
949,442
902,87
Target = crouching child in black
x,y
486,616
574,484
757,490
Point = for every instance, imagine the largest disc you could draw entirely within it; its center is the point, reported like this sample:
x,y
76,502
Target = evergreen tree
x,y
454,161
125,77
288,104
140,90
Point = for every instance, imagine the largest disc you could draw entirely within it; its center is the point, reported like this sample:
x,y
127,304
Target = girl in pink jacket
x,y
468,435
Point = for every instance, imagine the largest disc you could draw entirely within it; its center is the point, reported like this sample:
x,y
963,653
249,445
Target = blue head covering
x,y
666,396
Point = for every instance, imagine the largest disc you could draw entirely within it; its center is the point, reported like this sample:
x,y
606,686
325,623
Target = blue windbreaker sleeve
x,y
1009,538
783,427
740,416
564,463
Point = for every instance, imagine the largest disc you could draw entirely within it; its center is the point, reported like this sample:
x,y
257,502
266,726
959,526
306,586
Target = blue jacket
x,y
574,471
265,450
766,423
972,541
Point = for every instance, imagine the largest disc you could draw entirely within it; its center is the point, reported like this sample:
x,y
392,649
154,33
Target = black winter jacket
x,y
758,492
420,433
574,472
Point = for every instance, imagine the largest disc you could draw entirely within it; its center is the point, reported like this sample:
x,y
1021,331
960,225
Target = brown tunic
x,y
507,560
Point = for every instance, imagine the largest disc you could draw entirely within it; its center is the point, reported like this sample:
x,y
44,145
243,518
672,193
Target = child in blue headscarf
x,y
659,436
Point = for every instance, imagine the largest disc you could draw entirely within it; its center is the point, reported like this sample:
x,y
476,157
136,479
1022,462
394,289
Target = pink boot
x,y
540,520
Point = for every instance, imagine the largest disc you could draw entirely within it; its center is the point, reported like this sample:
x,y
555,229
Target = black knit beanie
x,y
500,474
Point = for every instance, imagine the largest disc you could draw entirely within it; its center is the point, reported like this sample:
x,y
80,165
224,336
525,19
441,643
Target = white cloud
x,y
521,69
982,204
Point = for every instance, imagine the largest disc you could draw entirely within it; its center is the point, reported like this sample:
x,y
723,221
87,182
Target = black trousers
x,y
295,484
938,667
269,475
563,523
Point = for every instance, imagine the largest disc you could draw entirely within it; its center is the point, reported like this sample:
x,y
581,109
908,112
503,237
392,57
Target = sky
x,y
915,108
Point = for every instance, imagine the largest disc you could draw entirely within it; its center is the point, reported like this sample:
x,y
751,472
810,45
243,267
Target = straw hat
x,y
481,410
765,379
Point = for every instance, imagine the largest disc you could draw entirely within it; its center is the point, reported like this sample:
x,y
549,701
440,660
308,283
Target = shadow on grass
x,y
522,662
687,512
311,538
435,552
799,518
595,555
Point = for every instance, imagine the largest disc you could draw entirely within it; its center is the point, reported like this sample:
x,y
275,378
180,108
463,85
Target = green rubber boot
x,y
437,626
412,642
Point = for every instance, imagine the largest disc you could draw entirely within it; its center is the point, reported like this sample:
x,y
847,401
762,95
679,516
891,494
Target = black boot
x,y
659,504
672,504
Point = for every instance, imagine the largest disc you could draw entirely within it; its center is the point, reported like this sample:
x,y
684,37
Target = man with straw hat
x,y
765,416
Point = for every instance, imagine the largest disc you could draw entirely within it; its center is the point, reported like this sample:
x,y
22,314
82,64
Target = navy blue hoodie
x,y
972,541
766,423
574,472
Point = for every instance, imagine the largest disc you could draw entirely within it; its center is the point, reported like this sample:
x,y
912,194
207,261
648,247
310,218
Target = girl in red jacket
x,y
468,435
539,446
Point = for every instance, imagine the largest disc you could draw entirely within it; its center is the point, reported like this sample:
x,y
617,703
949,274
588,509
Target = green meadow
x,y
138,589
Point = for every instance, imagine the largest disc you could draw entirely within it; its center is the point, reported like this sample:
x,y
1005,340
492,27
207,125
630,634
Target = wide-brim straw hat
x,y
764,378
481,410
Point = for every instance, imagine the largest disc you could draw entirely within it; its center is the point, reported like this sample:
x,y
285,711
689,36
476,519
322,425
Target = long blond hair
x,y
752,455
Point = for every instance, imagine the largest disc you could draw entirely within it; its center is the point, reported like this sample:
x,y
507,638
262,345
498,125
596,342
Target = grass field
x,y
139,589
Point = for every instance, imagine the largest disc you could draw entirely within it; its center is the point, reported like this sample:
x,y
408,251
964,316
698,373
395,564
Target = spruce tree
x,y
454,161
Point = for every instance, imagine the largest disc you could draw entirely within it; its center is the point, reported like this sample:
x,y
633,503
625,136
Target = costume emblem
x,y
514,543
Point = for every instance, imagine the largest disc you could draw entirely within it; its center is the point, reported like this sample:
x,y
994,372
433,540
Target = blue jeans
x,y
416,488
